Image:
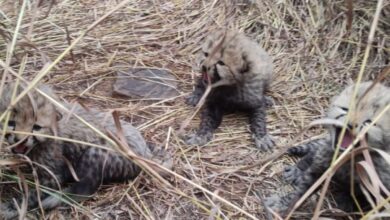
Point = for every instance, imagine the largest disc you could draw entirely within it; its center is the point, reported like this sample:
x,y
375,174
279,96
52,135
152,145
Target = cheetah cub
x,y
54,159
317,155
244,70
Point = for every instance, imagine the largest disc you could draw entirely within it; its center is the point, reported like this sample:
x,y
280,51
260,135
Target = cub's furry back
x,y
92,165
245,70
317,155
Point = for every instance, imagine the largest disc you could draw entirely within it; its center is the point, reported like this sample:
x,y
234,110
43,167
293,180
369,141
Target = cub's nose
x,y
204,69
7,136
16,139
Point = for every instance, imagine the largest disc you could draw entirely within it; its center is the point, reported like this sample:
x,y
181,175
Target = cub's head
x,y
31,116
222,57
369,103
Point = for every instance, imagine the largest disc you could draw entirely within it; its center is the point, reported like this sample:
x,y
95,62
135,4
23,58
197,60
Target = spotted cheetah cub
x,y
243,70
92,166
317,155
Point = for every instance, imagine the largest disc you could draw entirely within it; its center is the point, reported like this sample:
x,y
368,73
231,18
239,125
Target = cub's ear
x,y
245,65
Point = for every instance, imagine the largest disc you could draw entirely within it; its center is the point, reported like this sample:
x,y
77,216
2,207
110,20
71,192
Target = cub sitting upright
x,y
317,155
244,71
92,165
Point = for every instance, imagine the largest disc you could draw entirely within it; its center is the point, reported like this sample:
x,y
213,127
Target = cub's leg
x,y
258,127
90,178
198,92
308,152
8,209
302,183
210,120
304,173
304,149
296,173
94,168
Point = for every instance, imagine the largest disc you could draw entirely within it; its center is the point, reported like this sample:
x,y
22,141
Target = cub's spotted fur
x,y
317,155
245,70
93,166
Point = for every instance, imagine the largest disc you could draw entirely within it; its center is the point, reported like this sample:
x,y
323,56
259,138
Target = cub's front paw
x,y
264,143
292,174
195,139
192,99
276,203
7,212
163,158
269,101
298,151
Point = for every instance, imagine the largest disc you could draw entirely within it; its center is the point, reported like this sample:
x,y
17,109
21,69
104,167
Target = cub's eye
x,y
367,122
11,123
344,109
221,63
206,54
37,127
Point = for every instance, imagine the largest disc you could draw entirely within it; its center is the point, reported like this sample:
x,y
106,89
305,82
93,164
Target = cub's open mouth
x,y
205,77
20,149
347,140
213,77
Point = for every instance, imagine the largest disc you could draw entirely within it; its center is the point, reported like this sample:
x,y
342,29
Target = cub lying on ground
x,y
93,166
317,155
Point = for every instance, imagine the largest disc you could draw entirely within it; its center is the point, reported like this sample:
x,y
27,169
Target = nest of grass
x,y
318,48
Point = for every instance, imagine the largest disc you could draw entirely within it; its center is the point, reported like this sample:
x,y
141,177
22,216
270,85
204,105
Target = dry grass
x,y
317,47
